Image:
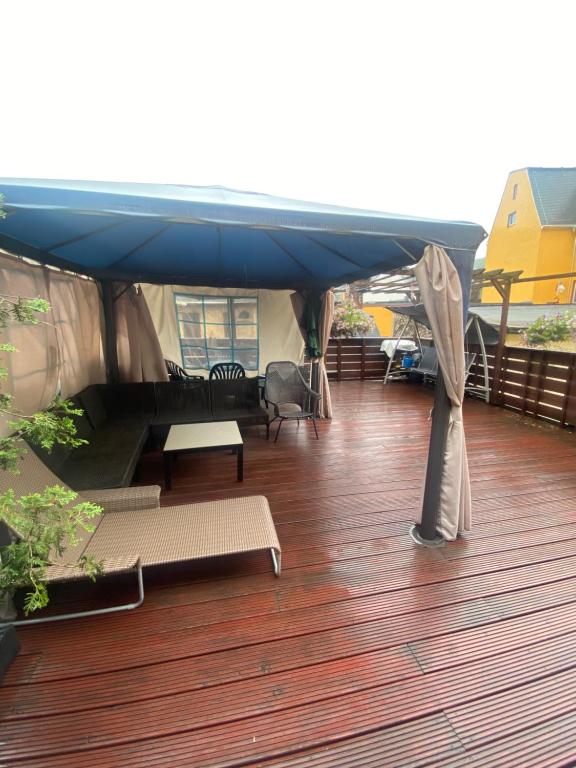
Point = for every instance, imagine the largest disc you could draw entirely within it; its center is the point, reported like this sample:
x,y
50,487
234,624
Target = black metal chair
x,y
289,394
227,371
176,373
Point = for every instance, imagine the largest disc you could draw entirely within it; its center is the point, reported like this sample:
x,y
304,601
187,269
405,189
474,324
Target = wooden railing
x,y
355,359
535,382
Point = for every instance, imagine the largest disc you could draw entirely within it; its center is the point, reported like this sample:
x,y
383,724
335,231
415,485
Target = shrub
x,y
544,330
350,321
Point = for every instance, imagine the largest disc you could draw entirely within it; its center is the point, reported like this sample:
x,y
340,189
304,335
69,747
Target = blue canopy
x,y
212,236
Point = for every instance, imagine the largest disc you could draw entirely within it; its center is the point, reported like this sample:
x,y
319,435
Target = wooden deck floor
x,y
368,651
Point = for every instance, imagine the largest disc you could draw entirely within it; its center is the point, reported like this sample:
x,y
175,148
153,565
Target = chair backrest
x,y
227,371
428,363
175,372
284,384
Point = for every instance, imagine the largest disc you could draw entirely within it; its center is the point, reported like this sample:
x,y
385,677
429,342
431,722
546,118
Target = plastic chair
x,y
227,371
176,373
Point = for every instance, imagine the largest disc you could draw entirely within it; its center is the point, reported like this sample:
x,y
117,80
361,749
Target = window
x,y
512,219
217,329
514,191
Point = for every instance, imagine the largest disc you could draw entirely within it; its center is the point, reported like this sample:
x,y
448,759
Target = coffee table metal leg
x,y
168,471
240,454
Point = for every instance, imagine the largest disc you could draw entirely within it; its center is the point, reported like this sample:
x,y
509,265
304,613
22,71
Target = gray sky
x,y
407,107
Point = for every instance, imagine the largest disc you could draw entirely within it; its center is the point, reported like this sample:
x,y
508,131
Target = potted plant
x,y
350,321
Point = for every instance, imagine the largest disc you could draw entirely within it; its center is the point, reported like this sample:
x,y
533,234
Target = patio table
x,y
211,436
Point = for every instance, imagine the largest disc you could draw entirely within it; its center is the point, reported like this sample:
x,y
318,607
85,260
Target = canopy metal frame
x,y
129,233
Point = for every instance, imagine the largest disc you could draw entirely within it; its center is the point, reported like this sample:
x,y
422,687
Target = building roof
x,y
554,191
213,236
520,315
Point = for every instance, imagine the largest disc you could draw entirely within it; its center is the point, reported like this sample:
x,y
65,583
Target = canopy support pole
x,y
426,532
504,291
484,359
110,346
393,355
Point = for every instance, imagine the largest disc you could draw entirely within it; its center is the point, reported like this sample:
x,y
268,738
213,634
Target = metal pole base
x,y
434,543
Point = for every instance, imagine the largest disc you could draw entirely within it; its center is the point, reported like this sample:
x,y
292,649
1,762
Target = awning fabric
x,y
417,312
170,234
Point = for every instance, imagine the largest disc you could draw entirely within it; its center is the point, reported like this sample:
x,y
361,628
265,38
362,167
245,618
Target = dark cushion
x,y
59,455
245,416
109,460
181,402
128,400
91,401
237,400
234,393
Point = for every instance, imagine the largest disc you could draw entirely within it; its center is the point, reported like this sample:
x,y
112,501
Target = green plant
x,y
349,320
544,330
45,522
45,428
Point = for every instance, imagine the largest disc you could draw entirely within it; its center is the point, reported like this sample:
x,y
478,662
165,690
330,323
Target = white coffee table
x,y
211,436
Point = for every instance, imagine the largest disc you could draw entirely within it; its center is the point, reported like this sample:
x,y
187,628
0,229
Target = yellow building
x,y
535,231
383,318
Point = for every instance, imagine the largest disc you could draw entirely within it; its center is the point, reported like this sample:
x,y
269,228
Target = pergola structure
x,y
170,234
403,281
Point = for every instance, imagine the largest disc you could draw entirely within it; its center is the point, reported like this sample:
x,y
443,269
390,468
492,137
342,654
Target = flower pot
x,y
8,610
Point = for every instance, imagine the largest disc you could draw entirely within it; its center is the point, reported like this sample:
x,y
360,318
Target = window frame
x,y
512,218
232,325
514,191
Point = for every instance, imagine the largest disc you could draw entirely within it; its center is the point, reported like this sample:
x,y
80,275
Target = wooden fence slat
x,y
535,382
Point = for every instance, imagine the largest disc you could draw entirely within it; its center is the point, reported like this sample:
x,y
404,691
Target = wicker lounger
x,y
135,532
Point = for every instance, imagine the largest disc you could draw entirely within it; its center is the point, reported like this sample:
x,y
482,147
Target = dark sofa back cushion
x,y
188,398
234,394
55,458
128,400
92,403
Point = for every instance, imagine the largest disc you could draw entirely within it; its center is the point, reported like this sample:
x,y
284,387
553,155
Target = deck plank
x,y
366,649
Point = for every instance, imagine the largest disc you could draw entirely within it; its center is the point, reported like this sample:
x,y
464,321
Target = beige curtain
x,y
298,302
76,311
63,352
441,293
325,326
139,354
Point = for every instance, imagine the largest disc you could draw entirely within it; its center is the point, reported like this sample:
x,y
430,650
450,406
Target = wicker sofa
x,y
120,419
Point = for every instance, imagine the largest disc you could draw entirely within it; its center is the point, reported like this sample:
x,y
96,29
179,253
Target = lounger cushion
x,y
187,532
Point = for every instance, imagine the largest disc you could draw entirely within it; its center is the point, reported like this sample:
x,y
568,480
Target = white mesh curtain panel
x,y
326,318
441,292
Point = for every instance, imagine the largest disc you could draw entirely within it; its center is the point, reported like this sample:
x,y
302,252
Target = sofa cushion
x,y
133,401
237,400
245,416
109,460
91,401
182,402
